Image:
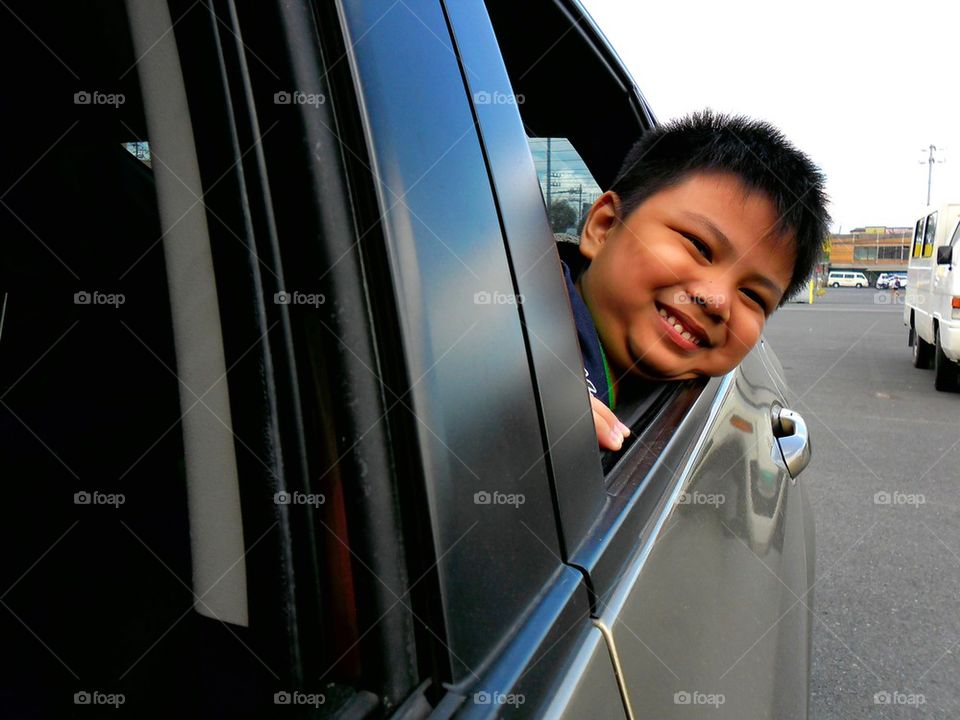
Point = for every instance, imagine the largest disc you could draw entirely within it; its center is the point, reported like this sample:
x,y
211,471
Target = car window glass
x,y
917,238
929,233
140,150
568,187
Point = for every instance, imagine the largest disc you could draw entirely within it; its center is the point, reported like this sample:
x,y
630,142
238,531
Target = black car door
x,y
381,200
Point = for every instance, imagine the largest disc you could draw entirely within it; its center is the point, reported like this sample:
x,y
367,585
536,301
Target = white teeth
x,y
672,321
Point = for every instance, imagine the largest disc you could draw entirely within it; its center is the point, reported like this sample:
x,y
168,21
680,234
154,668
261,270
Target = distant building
x,y
880,230
871,249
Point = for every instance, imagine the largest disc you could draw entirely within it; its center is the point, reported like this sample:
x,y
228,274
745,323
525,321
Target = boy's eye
x,y
756,297
701,246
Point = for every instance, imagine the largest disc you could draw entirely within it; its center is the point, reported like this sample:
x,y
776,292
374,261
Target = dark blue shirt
x,y
594,367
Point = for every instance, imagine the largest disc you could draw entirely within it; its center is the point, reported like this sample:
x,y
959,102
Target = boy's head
x,y
714,221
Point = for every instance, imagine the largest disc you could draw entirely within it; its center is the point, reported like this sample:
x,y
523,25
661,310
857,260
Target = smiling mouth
x,y
683,332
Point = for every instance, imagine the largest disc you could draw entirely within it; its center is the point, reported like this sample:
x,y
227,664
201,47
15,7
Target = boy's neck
x,y
615,373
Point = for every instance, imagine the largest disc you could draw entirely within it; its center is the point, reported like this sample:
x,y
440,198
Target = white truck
x,y
932,305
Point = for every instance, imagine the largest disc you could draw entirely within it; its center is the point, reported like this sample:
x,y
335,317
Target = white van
x,y
931,308
847,278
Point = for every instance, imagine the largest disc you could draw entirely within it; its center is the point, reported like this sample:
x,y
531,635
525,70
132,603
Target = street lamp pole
x,y
580,205
930,150
549,175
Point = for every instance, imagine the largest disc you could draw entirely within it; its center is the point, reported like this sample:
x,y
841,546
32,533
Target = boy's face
x,y
671,250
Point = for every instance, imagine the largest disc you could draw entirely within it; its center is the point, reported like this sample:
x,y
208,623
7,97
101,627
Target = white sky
x,y
860,87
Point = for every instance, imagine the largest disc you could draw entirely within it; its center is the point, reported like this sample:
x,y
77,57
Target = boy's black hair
x,y
755,151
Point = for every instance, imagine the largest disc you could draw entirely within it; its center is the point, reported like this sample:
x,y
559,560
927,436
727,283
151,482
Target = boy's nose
x,y
715,302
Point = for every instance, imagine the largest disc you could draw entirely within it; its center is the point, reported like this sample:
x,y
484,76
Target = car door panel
x,y
590,688
470,388
712,610
550,664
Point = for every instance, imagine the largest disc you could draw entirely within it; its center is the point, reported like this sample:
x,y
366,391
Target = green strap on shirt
x,y
611,392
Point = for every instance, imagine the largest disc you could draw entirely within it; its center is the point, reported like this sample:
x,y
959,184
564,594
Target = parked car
x,y
931,307
886,280
847,278
293,410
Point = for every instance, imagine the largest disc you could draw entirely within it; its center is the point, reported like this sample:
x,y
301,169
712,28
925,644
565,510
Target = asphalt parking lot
x,y
884,483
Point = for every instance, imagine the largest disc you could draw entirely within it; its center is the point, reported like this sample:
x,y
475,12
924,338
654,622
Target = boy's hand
x,y
610,431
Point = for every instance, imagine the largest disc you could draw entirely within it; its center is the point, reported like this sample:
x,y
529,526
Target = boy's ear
x,y
602,220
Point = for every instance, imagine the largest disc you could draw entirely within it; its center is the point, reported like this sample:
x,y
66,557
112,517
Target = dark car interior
x,y
90,588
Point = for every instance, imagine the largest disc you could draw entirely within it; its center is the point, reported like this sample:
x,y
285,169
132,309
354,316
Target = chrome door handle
x,y
790,430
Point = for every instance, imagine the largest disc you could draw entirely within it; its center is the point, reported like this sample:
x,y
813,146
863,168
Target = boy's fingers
x,y
604,432
610,431
607,414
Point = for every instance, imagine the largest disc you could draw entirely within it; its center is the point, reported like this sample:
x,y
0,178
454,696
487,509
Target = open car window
x,y
576,151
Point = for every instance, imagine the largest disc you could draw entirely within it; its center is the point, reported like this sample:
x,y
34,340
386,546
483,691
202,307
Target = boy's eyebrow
x,y
728,246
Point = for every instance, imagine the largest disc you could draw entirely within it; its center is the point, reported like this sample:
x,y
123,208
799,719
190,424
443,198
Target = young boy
x,y
712,223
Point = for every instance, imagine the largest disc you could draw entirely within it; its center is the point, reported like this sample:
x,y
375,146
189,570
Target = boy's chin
x,y
662,364
648,368
651,373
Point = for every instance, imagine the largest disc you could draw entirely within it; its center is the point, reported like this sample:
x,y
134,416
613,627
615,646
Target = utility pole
x,y
550,175
930,150
580,205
